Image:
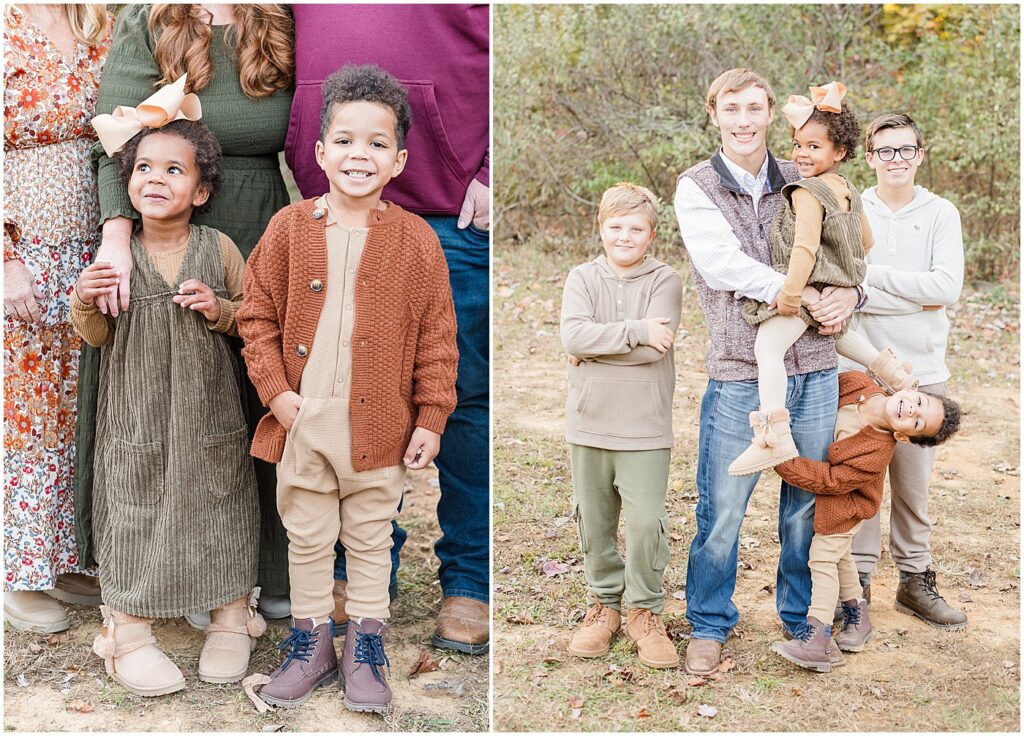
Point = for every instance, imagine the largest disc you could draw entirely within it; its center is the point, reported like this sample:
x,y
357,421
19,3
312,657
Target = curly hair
x,y
843,129
366,83
950,423
205,147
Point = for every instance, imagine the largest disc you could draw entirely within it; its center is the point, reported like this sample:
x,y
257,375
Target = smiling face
x,y
913,413
814,153
164,183
896,173
626,239
359,152
743,118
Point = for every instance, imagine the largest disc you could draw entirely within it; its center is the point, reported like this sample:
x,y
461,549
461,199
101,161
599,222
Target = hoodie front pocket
x,y
620,408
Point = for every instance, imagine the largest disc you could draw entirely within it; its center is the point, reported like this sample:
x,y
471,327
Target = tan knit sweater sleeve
x,y
234,274
90,323
852,464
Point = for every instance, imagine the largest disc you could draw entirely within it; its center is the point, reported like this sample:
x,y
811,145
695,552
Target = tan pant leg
x,y
826,552
367,508
775,336
849,582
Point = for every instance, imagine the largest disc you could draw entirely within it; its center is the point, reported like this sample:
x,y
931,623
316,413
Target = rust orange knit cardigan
x,y
849,485
404,361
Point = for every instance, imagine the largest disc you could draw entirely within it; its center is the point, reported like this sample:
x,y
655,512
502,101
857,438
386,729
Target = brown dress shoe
x,y
463,625
595,633
653,646
362,667
703,656
311,662
339,616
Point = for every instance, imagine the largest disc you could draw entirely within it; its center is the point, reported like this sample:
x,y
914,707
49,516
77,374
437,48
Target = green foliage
x,y
586,96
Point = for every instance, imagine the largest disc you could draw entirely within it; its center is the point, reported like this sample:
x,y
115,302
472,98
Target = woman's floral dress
x,y
50,224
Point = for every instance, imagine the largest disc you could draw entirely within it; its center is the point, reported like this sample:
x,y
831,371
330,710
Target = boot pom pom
x,y
103,646
256,626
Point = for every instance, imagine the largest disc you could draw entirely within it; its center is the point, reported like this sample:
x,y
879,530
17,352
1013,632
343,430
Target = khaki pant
x,y
909,528
604,483
833,573
321,500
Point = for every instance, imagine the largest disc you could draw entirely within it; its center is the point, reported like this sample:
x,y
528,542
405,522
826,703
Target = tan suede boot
x,y
596,632
653,646
772,444
230,638
132,657
894,373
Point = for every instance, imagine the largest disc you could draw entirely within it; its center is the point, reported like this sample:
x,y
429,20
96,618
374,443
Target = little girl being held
x,y
819,239
175,513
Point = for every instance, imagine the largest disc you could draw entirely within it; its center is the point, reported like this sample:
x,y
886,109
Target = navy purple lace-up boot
x,y
362,667
311,662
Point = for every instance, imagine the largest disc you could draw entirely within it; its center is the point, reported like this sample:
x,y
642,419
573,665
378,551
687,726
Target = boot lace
x,y
851,615
300,645
596,613
929,584
803,632
369,649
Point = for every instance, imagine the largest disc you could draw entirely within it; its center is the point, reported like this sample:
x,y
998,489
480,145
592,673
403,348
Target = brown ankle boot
x,y
653,646
809,648
772,444
132,657
893,373
339,616
311,662
596,632
857,630
362,667
918,596
230,638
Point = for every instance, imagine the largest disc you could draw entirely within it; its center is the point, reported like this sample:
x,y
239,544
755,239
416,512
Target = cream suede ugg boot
x,y
230,638
772,444
894,373
132,657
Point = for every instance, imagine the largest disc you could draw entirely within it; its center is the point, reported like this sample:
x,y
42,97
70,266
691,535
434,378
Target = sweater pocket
x,y
615,408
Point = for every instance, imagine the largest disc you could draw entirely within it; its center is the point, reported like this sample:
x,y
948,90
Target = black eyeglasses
x,y
889,153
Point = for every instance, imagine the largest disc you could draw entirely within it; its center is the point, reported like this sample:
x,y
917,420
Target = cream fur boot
x,y
772,444
230,638
894,373
132,657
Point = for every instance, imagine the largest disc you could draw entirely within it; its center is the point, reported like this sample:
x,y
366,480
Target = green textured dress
x,y
251,133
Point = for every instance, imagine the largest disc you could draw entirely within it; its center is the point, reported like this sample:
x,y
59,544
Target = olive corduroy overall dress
x,y
176,515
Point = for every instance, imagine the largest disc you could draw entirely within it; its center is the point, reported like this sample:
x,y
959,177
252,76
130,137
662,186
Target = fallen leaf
x,y
456,686
503,539
695,681
272,728
425,663
523,617
550,534
53,640
767,589
577,701
34,647
676,537
708,711
498,666
797,692
679,595
726,664
552,568
79,706
1009,665
678,694
643,713
22,681
714,677
553,660
965,598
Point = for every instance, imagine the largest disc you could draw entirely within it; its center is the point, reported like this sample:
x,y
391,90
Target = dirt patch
x,y
55,683
911,677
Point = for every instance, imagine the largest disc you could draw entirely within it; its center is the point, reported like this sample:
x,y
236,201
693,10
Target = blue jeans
x,y
463,463
812,400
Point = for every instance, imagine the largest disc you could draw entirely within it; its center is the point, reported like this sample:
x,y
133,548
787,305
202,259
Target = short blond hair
x,y
626,199
736,80
88,21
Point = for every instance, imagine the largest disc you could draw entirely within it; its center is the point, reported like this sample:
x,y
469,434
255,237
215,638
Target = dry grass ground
x,y
910,678
57,684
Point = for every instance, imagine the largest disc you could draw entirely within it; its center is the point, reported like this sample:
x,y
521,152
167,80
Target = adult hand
x,y
833,329
98,279
476,207
786,310
285,407
660,336
22,296
835,306
116,249
423,447
573,360
194,294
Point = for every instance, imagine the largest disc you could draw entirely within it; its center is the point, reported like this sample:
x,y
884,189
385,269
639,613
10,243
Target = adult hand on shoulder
x,y
835,306
22,296
285,407
116,249
423,447
476,207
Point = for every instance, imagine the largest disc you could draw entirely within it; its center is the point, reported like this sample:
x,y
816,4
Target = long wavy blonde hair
x,y
263,37
88,21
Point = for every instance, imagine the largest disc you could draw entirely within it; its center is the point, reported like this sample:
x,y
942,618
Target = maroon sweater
x,y
850,484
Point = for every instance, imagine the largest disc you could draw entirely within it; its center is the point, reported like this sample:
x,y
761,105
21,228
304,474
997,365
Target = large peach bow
x,y
166,104
828,98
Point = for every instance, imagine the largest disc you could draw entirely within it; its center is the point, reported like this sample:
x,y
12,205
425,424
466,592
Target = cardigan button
x,y
316,285
318,213
302,351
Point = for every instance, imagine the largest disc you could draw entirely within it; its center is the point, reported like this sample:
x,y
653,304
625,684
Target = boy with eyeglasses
x,y
914,272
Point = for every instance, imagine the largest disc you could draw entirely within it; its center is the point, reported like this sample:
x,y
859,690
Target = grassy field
x,y
910,678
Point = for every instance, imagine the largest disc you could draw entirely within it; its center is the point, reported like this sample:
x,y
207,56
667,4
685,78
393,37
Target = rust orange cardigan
x,y
850,483
404,361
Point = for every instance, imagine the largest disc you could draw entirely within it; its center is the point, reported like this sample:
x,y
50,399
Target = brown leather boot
x,y
917,595
595,634
809,648
362,667
857,630
230,638
78,589
892,372
653,646
132,657
463,625
311,662
772,444
339,616
703,656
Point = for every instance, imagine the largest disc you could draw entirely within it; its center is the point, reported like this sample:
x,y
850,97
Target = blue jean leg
x,y
463,463
724,433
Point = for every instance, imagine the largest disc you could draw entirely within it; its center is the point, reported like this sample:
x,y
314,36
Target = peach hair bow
x,y
165,105
828,98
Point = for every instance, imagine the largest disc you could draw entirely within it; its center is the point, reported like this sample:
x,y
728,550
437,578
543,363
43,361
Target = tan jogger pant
x,y
833,573
321,499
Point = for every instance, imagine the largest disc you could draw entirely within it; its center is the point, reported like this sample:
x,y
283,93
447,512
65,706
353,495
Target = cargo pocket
x,y
659,558
578,518
228,466
136,472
